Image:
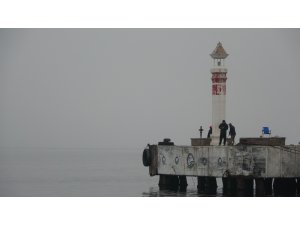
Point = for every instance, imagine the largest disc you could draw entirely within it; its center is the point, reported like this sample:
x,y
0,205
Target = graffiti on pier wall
x,y
250,161
203,161
230,160
190,160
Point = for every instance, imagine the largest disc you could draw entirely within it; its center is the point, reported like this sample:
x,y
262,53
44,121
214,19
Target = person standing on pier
x,y
223,130
232,133
209,132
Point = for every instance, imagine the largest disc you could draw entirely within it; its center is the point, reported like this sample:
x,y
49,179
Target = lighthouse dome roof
x,y
219,52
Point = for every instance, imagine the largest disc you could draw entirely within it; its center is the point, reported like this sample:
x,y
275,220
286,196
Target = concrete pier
x,y
217,161
274,169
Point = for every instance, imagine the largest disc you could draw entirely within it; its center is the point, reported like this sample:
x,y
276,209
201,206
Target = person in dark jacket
x,y
232,133
223,130
209,132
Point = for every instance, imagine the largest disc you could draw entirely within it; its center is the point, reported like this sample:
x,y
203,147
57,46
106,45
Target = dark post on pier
x,y
201,130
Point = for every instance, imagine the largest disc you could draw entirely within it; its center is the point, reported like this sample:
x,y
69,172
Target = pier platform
x,y
223,161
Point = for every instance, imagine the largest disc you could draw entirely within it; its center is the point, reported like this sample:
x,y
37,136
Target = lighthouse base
x,y
215,140
200,141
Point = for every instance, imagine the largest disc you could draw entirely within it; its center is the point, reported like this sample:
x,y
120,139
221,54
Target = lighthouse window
x,y
219,63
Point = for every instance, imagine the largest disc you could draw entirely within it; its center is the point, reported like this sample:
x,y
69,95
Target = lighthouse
x,y
218,78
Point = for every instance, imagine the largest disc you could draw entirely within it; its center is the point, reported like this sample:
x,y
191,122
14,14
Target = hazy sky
x,y
129,87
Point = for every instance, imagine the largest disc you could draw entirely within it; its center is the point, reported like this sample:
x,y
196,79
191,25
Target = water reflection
x,y
155,192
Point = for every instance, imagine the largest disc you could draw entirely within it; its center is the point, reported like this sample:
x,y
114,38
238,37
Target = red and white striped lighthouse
x,y
218,78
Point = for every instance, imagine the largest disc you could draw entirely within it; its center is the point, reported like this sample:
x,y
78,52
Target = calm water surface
x,y
81,172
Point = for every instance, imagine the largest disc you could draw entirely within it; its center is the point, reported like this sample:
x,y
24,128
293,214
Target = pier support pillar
x,y
260,185
229,186
168,182
268,186
201,184
263,186
244,186
207,185
182,183
210,186
285,187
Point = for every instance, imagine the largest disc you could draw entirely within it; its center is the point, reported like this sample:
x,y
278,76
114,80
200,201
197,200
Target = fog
x,y
124,88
